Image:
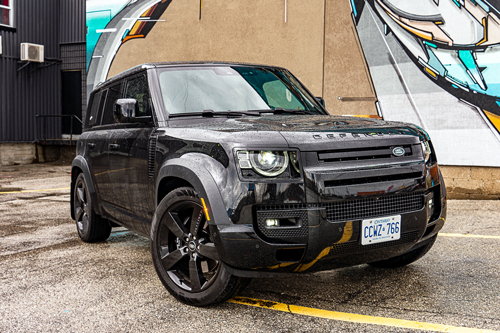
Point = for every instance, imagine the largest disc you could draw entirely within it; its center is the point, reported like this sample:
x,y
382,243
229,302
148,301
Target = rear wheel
x,y
90,226
405,258
184,255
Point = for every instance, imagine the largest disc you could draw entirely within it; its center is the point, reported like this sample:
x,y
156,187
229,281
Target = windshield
x,y
222,89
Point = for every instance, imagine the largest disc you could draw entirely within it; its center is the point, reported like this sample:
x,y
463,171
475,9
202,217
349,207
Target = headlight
x,y
269,163
265,162
426,150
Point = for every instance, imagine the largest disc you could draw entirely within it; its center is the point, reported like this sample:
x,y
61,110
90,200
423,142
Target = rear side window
x,y
113,95
96,107
138,88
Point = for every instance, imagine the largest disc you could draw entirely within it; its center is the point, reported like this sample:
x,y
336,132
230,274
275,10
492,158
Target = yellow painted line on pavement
x,y
354,318
44,190
468,236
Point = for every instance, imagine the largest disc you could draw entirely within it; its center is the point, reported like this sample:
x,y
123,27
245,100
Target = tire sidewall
x,y
85,233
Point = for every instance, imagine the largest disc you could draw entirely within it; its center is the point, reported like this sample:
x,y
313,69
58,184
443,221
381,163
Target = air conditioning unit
x,y
31,52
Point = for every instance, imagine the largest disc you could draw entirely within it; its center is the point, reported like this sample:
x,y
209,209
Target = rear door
x,y
96,144
101,144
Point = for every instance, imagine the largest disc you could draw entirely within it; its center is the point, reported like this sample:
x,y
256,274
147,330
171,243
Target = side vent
x,y
152,156
32,52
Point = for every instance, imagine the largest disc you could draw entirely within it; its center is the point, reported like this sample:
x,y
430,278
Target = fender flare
x,y
191,169
80,163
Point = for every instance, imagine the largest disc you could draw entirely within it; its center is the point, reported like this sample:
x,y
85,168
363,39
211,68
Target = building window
x,y
6,13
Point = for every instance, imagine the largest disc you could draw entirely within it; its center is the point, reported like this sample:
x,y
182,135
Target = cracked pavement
x,y
50,281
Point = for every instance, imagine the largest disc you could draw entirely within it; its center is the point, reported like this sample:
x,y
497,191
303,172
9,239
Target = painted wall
x,y
429,62
436,63
259,31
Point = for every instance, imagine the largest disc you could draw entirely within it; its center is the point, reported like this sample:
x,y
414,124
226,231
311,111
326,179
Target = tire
x,y
90,226
184,256
405,258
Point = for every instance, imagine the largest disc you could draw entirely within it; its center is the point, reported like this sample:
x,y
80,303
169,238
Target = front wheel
x,y
184,255
405,258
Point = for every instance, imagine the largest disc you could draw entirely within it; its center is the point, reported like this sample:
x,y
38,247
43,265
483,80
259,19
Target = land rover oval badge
x,y
398,151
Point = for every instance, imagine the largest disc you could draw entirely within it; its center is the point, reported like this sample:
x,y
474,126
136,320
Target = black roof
x,y
143,67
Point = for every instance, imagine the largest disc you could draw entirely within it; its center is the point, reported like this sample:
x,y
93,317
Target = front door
x,y
129,157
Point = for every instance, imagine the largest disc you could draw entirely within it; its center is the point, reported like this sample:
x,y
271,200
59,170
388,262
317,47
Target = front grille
x,y
365,153
373,179
356,247
358,209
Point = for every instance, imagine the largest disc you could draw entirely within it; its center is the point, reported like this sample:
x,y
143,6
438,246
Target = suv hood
x,y
285,123
304,131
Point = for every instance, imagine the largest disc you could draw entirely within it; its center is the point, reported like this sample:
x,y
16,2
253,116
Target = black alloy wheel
x,y
184,255
90,226
185,243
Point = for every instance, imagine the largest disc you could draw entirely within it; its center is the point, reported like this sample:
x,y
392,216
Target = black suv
x,y
236,171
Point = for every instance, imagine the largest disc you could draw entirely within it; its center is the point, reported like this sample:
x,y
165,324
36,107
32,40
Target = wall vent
x,y
32,52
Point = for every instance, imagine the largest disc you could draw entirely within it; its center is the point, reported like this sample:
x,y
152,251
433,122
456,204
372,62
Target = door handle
x,y
113,146
91,145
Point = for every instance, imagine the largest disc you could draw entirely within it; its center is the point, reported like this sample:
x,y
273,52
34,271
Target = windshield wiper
x,y
283,111
256,113
212,113
293,111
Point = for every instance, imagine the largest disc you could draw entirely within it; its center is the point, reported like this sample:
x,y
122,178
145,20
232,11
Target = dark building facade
x,y
35,94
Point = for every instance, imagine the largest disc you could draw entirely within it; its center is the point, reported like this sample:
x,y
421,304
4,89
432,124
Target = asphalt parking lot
x,y
50,281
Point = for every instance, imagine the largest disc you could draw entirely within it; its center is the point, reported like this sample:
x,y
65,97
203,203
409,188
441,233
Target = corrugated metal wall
x,y
35,89
73,21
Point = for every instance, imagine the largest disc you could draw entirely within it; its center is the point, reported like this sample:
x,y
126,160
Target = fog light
x,y
272,223
431,207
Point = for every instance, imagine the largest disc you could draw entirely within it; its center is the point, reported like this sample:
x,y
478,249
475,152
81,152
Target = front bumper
x,y
323,243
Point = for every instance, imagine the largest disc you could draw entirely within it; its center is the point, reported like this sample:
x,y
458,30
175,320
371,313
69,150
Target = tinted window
x,y
278,95
94,109
138,88
113,95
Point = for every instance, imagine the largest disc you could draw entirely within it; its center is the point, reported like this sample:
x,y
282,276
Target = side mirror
x,y
320,100
125,110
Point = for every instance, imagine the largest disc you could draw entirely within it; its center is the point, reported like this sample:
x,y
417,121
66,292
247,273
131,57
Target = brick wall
x,y
472,182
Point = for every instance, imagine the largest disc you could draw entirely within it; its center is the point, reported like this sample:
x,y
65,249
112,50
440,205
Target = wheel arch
x,y
168,184
78,166
190,171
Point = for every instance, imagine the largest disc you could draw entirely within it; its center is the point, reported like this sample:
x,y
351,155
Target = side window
x,y
94,108
113,95
138,88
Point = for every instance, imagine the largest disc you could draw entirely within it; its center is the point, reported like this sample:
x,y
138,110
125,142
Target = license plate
x,y
379,230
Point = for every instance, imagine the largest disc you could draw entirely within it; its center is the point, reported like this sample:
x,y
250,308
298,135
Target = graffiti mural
x,y
437,63
111,23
